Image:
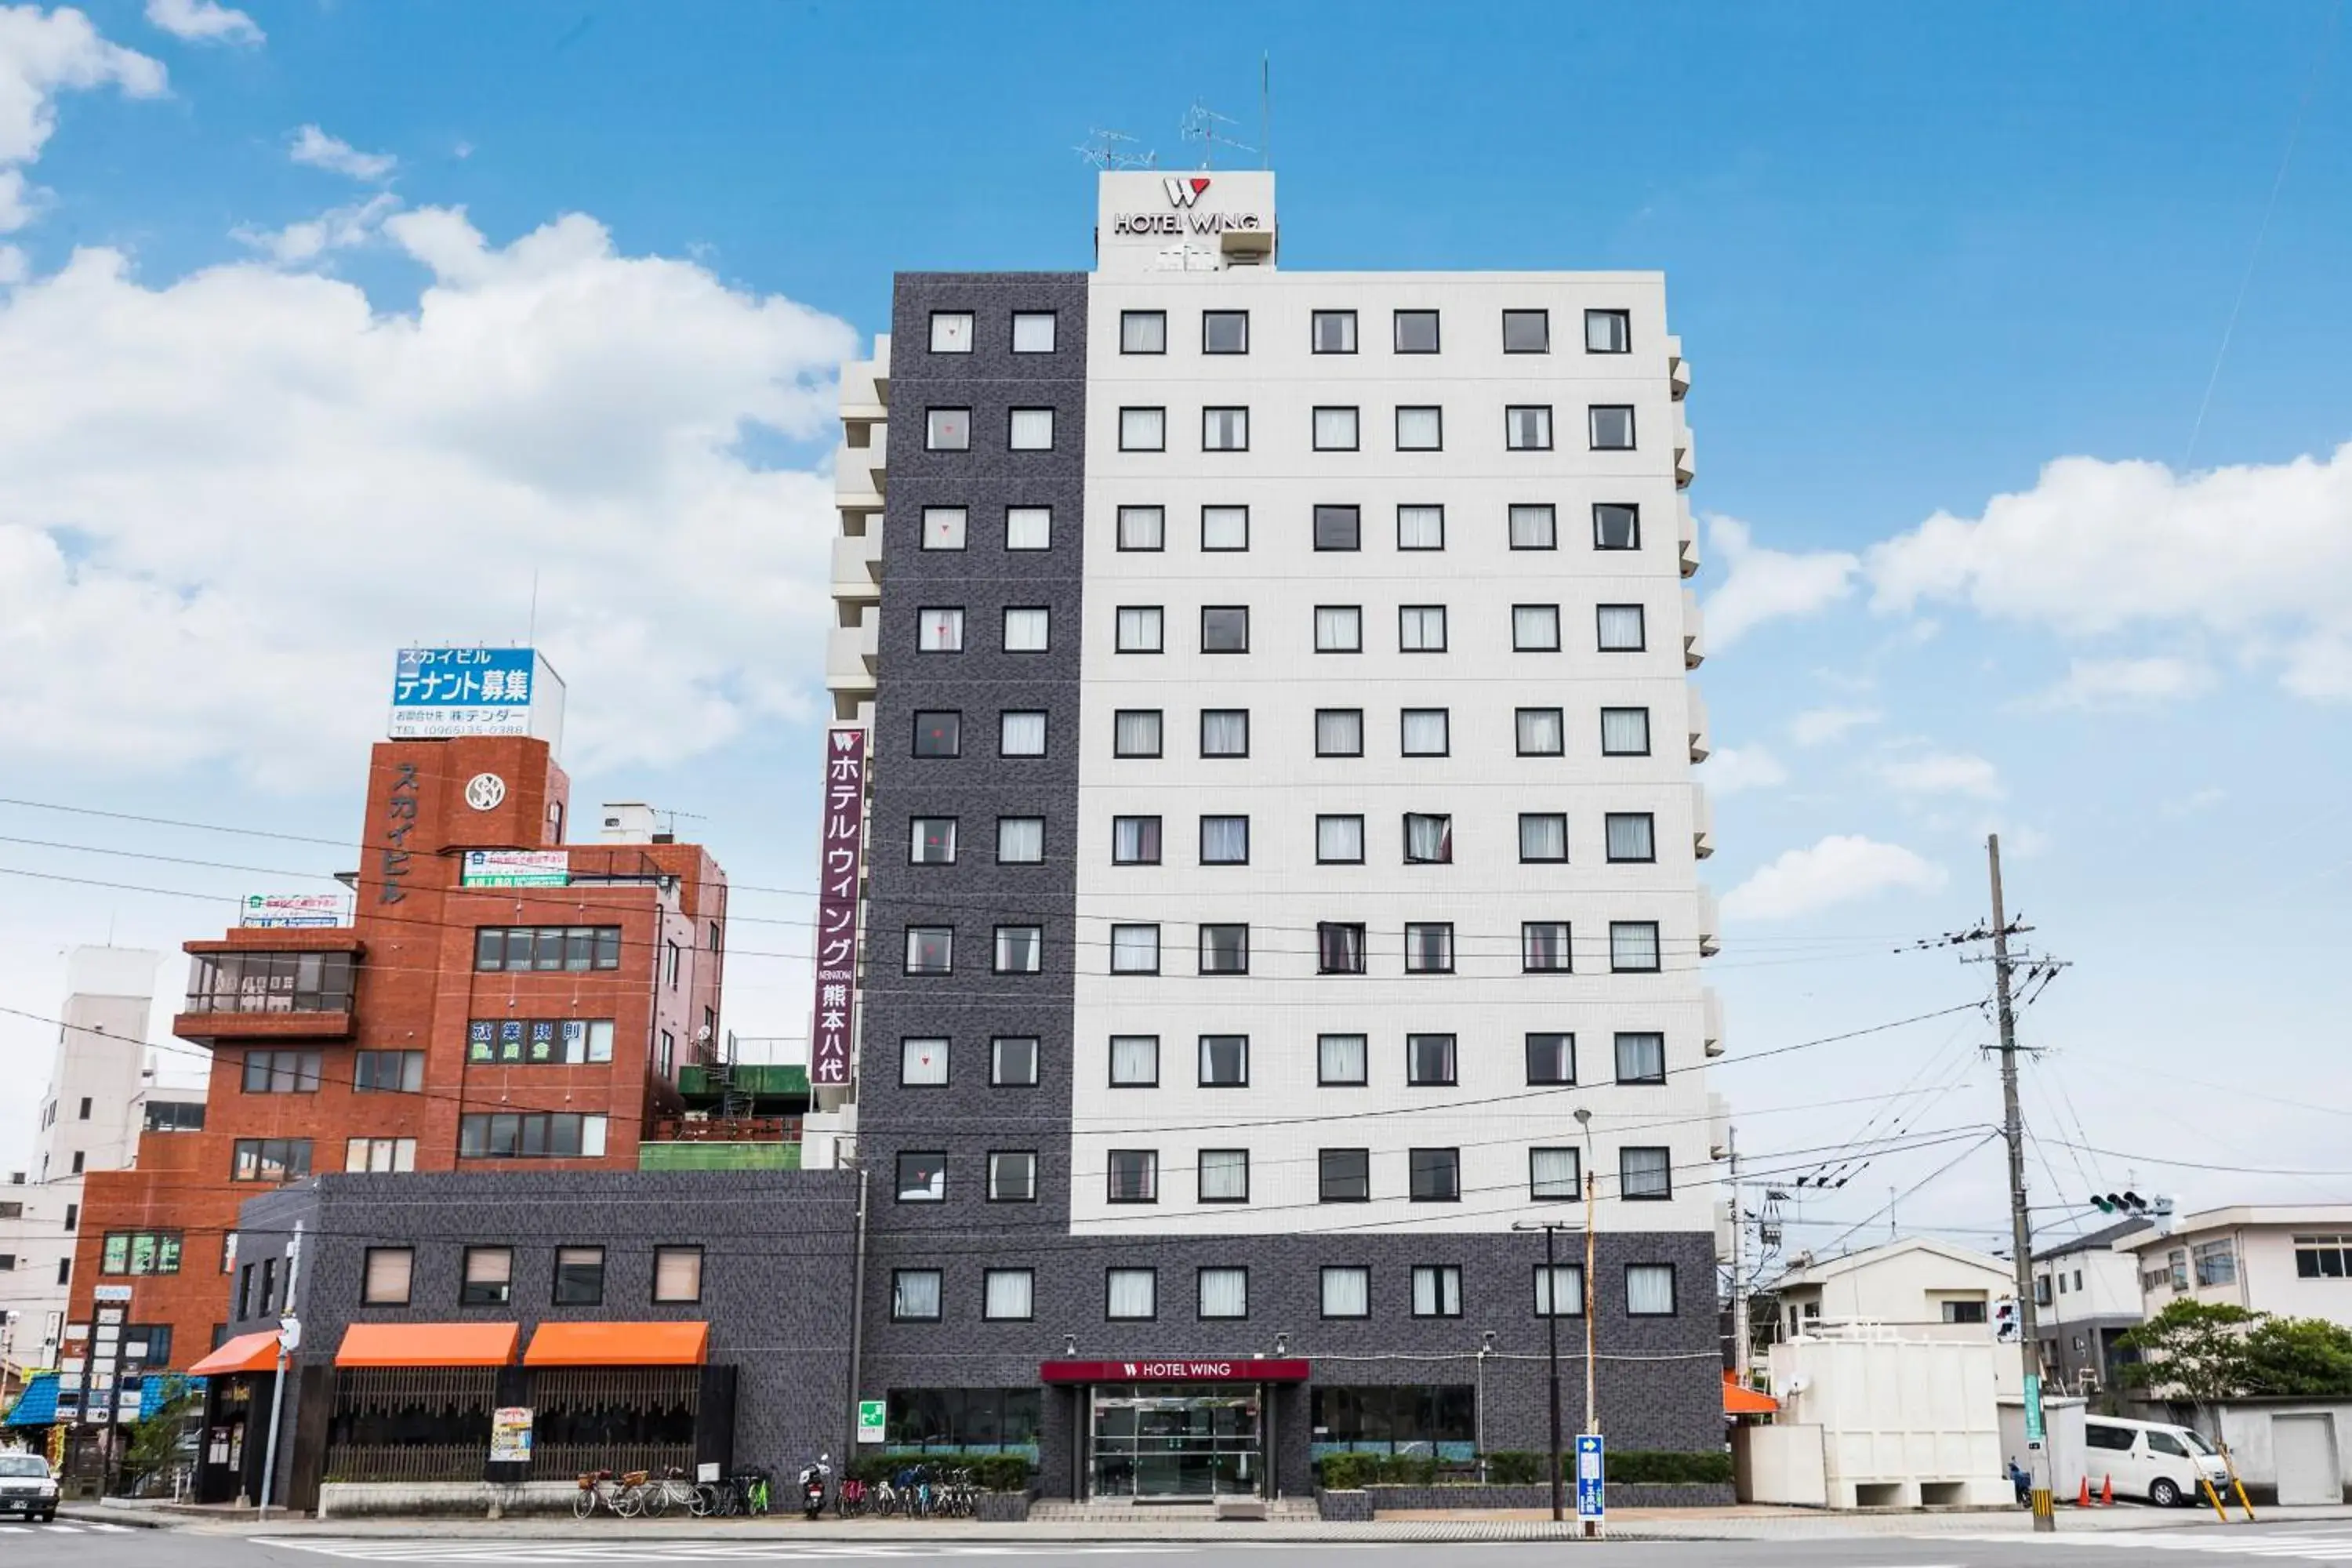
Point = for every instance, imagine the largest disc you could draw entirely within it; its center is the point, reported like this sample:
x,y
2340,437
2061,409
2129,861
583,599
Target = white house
x,y
2086,1295
2294,1260
1911,1283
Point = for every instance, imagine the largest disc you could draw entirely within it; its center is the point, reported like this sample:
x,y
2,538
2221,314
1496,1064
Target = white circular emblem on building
x,y
484,791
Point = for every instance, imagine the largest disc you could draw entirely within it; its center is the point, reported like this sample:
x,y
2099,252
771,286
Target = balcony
x,y
263,995
1685,464
1699,746
1694,632
1702,823
1677,370
866,386
1686,528
1710,923
857,471
722,1144
1710,1026
858,564
853,653
1718,1127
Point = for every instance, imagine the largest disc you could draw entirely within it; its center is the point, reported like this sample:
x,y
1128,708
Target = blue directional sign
x,y
1592,1474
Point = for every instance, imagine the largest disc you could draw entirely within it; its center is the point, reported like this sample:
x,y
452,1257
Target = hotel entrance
x,y
1175,1441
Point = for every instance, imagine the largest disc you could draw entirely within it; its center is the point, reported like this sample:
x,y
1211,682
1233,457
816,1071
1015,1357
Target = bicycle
x,y
851,1501
885,1499
599,1489
671,1487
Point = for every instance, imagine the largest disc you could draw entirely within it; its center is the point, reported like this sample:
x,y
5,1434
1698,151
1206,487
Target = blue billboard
x,y
441,692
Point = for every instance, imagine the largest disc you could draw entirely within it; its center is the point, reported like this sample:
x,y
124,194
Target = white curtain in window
x,y
1436,1292
1134,1059
1224,1292
1139,630
1033,332
1429,948
1544,944
1225,840
1620,628
1633,944
1339,838
1023,735
915,1293
1225,1175
1025,631
1224,429
1533,528
1225,528
1032,429
1340,949
592,1135
1142,429
1340,1058
1542,733
1134,950
950,429
1530,429
1135,840
1420,628
1335,429
1626,732
1347,1292
923,1061
1631,837
1136,733
1424,732
1134,1293
943,526
1141,527
1543,837
1020,839
1612,428
1224,950
1007,1293
1417,429
1019,948
1335,331
1644,1173
678,1274
1650,1289
1640,1057
1224,733
1338,628
1553,1174
1420,527
1028,527
1142,333
1428,839
1535,628
1563,1284
940,631
1605,332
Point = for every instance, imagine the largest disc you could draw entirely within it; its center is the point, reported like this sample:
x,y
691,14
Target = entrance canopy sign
x,y
1239,1369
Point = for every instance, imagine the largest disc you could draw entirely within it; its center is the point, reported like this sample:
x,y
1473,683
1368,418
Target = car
x,y
2151,1459
26,1487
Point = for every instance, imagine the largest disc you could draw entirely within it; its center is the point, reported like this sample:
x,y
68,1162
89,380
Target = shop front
x,y
1159,1430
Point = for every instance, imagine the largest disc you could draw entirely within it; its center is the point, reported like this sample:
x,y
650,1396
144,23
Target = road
x,y
87,1545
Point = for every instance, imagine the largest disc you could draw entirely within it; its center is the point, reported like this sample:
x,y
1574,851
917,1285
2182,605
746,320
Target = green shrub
x,y
1514,1467
1346,1472
1663,1466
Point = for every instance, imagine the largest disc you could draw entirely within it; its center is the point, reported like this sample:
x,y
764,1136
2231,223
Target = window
x,y
1020,840
140,1252
1338,948
1543,947
1429,1060
1134,1175
1135,950
1224,1061
914,1295
1143,331
1135,732
1645,1173
1345,1175
939,734
387,1276
1139,628
939,629
1436,1290
1632,836
1143,429
923,1061
1527,427
1224,841
1339,732
1135,1060
1554,1175
1135,841
1612,427
1607,332
1224,950
1224,429
1013,1061
1416,332
931,841
1436,1175
281,1072
930,950
1026,630
1424,732
922,1176
1429,947
1420,429
1649,1290
1535,628
1428,839
1542,733
1641,1059
1021,735
1131,1294
1224,1294
1620,628
949,430
388,1072
379,1153
84,1116
183,1116
677,1274
1341,1060
270,1160
1334,332
2322,1257
1526,331
1020,949
952,332
1339,840
2214,1263
1336,429
1616,528
1633,946
1225,628
1535,528
1338,628
312,982
1008,1295
579,1277
534,1136
1347,1292
1543,835
1142,528
1030,430
1560,1290
1013,1176
1624,731
1029,528
1224,1175
1225,331
1225,528
487,1280
1032,332
1420,527
1339,528
1224,732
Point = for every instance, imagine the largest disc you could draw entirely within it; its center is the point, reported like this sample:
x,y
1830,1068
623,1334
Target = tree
x,y
2309,1358
154,1442
2192,1351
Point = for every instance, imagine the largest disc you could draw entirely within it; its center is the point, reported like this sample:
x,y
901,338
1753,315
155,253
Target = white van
x,y
2149,1459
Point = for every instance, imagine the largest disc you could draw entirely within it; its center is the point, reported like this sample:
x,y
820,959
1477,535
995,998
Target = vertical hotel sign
x,y
836,905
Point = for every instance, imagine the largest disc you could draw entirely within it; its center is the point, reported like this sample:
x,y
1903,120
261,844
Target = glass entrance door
x,y
1175,1441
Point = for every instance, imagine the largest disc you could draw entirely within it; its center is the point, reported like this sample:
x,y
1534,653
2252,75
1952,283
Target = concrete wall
x,y
1904,1422
1782,1464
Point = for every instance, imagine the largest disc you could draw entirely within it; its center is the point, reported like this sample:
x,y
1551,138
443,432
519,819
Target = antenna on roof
x,y
1199,124
1111,150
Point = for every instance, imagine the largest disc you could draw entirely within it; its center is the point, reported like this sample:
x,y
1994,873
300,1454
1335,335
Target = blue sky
x,y
269,417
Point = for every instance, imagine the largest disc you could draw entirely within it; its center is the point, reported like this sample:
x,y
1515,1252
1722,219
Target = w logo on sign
x,y
844,741
1184,190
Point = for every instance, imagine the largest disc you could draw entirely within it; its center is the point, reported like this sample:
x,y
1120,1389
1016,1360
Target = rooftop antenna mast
x,y
1112,150
1201,124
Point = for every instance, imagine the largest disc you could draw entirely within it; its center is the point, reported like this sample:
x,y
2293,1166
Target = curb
x,y
127,1518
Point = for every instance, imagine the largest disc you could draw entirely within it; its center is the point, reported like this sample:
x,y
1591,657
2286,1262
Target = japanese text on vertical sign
x,y
836,907
400,821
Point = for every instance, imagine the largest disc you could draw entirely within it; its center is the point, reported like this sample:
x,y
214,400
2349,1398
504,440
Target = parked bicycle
x,y
851,1501
618,1496
671,1489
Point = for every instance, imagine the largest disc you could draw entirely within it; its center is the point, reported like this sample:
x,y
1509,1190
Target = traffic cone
x,y
2083,1498
2106,1492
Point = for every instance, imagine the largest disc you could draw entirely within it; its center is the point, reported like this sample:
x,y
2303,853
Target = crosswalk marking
x,y
2303,1545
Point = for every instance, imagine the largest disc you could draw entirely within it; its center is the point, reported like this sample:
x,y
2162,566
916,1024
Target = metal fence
x,y
614,1419
411,1424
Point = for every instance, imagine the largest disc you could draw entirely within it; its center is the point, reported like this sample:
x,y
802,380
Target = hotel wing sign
x,y
836,906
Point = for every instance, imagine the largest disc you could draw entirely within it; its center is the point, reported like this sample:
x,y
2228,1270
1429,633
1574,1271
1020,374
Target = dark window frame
x,y
1151,1179
1624,1194
1353,516
367,1273
1206,611
1413,1285
1558,859
1528,1046
1207,754
556,1297
1543,321
898,1173
1417,1166
1657,963
1599,644
1201,947
1412,926
1592,429
1324,1178
1436,333
1127,316
1200,1063
1316,318
1674,1290
955,738
1566,948
1608,844
1208,316
1625,316
1150,1268
1126,409
1356,817
1159,730
1201,845
479,1293
1632,506
988,1168
1617,1050
1240,408
1315,427
996,1077
1452,1060
1199,1195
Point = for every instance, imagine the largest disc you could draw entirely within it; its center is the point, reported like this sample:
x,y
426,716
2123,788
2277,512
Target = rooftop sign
x,y
1148,221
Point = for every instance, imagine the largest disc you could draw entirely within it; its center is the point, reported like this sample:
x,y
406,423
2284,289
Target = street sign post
x,y
1591,1478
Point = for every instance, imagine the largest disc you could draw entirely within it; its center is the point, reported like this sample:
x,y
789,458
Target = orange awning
x,y
428,1344
618,1345
1740,1400
247,1353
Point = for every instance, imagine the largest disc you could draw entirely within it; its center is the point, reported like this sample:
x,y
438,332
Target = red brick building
x,y
457,1024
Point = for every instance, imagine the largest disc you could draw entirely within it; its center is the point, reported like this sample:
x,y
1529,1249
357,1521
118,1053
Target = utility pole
x,y
2021,1238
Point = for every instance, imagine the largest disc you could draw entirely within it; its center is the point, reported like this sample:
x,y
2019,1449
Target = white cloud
x,y
1730,769
204,22
1943,772
320,150
41,55
2127,683
230,497
1818,726
1839,869
337,228
2260,553
1763,584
